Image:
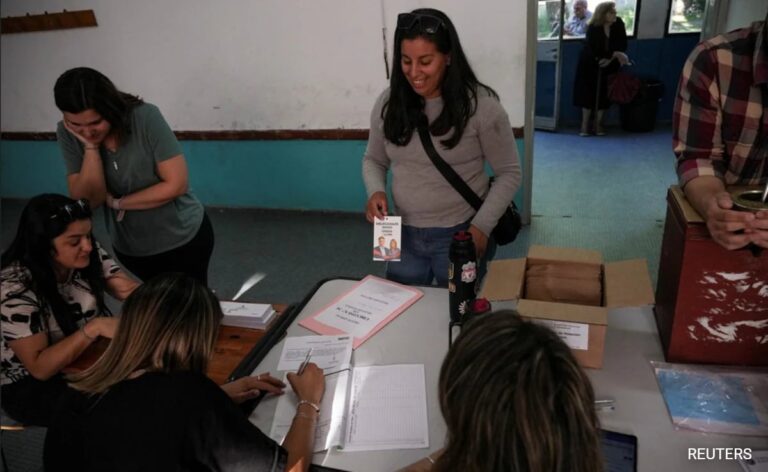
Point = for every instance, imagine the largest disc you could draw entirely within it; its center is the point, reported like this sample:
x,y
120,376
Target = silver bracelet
x,y
305,402
82,330
306,416
431,461
116,203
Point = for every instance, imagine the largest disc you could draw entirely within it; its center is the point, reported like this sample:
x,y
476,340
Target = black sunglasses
x,y
428,23
73,211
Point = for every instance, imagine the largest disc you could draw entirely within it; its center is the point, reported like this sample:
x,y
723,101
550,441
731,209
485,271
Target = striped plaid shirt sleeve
x,y
697,119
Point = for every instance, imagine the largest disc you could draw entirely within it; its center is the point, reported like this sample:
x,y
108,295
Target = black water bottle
x,y
462,275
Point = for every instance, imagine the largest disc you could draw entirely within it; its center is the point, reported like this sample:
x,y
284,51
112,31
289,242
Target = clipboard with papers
x,y
363,408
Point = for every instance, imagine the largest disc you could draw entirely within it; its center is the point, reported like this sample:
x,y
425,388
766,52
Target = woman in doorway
x,y
120,152
433,81
603,54
54,275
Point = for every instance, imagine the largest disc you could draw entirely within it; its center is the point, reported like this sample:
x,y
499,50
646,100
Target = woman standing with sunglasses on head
x,y
52,307
120,151
468,126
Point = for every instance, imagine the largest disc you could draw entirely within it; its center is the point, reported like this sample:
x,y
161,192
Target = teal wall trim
x,y
293,175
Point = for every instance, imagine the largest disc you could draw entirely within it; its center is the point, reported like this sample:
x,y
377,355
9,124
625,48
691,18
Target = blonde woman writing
x,y
147,404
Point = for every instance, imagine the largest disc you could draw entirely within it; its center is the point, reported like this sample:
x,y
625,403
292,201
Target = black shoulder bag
x,y
508,225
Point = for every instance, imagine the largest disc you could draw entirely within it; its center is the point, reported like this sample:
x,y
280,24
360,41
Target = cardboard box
x,y
711,303
582,327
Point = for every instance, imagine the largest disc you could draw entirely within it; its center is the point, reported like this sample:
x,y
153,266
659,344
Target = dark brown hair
x,y
514,399
83,88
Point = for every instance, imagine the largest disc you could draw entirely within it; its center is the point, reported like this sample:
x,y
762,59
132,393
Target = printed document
x,y
374,408
364,310
387,242
330,353
247,315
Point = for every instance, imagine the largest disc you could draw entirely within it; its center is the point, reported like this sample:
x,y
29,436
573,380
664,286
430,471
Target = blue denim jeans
x,y
424,256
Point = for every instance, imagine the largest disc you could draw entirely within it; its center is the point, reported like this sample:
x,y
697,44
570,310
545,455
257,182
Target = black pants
x,y
30,401
192,258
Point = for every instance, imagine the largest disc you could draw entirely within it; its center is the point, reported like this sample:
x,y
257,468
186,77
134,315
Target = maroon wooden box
x,y
711,303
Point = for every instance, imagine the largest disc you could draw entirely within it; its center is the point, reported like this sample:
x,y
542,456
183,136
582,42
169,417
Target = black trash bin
x,y
639,115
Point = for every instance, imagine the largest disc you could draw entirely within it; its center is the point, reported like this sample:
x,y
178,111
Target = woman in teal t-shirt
x,y
120,152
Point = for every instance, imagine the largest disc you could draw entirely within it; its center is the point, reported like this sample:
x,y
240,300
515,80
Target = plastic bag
x,y
715,399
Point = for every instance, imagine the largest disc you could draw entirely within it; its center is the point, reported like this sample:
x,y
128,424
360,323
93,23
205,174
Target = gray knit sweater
x,y
421,194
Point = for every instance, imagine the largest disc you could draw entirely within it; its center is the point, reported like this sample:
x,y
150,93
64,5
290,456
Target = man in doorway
x,y
578,23
720,131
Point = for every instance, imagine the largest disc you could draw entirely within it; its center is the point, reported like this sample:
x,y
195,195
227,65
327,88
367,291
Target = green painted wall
x,y
307,175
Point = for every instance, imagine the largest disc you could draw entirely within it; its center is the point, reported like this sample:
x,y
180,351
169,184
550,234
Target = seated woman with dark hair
x,y
147,404
514,399
52,308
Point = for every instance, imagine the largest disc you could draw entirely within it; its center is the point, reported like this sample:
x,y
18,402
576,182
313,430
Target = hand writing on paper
x,y
376,207
246,388
310,385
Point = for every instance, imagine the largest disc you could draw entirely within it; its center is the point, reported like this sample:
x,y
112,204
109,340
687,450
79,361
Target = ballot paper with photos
x,y
247,315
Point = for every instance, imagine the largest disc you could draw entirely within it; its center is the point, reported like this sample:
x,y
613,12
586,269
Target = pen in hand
x,y
304,364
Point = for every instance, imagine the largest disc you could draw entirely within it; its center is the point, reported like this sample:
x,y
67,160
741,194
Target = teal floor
x,y
604,193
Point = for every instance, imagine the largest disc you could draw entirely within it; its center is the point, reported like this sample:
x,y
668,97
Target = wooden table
x,y
232,344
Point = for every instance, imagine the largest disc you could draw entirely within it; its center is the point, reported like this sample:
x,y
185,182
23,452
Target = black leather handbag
x,y
509,223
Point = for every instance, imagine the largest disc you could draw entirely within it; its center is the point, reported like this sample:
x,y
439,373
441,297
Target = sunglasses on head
x,y
428,23
73,211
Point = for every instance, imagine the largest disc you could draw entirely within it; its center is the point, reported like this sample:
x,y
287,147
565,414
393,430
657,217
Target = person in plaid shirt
x,y
720,131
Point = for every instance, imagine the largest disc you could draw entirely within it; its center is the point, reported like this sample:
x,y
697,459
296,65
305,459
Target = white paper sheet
x,y
370,303
255,310
330,425
388,408
330,353
575,335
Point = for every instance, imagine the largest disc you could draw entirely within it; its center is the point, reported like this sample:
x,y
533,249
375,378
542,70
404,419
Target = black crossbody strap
x,y
450,175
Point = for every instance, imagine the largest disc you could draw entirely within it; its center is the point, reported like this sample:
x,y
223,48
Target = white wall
x,y
246,64
742,13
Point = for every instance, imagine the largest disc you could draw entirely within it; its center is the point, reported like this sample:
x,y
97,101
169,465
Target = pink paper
x,y
319,327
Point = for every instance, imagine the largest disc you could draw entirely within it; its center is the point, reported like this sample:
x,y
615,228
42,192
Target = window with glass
x,y
577,16
685,16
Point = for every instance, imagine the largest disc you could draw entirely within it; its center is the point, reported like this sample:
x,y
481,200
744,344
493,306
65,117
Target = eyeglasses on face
x,y
428,23
73,211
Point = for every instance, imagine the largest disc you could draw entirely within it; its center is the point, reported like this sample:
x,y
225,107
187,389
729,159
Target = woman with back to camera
x,y
602,55
147,404
514,399
120,152
469,127
53,279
